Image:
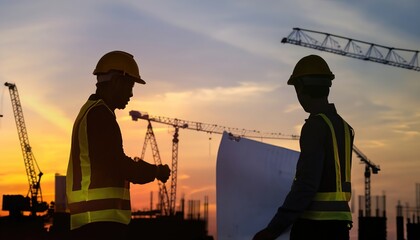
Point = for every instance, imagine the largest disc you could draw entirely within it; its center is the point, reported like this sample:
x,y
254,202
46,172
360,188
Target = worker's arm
x,y
149,171
307,179
140,171
108,160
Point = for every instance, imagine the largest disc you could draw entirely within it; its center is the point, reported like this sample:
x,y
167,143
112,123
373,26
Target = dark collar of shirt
x,y
94,97
328,109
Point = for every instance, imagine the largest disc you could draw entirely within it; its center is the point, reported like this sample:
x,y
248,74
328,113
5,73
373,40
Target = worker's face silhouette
x,y
304,99
123,91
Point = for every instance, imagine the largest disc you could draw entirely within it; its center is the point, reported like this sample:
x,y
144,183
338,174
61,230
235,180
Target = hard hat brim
x,y
139,80
136,79
110,76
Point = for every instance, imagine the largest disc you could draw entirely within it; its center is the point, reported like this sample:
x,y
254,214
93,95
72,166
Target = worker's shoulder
x,y
314,124
315,120
100,111
318,121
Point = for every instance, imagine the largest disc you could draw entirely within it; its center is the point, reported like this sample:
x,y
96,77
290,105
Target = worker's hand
x,y
163,172
264,235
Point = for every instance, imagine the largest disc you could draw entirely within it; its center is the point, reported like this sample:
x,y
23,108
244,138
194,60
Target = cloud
x,y
373,143
231,23
394,15
49,112
243,92
292,108
183,177
245,89
409,134
203,189
407,125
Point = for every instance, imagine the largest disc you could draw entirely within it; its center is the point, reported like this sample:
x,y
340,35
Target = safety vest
x,y
86,204
334,205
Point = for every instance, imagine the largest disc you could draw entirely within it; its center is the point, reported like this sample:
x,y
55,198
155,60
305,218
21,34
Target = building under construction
x,y
412,217
373,221
372,225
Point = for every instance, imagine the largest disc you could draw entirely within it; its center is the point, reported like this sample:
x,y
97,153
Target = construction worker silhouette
x,y
317,204
99,172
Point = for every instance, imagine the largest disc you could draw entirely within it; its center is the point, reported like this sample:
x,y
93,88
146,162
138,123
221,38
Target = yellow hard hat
x,y
311,70
119,61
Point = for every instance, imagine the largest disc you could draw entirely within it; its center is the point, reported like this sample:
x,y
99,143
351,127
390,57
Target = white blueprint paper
x,y
252,181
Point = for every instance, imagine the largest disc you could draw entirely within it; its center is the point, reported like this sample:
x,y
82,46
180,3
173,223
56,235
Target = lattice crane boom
x,y
34,175
354,48
211,128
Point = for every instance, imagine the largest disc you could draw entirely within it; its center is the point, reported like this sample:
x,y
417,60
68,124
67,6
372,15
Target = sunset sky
x,y
218,62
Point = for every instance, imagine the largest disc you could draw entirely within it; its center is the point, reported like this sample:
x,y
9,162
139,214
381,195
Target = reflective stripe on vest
x,y
98,204
334,205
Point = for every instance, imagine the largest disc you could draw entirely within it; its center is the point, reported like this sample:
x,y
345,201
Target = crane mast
x,y
168,201
354,48
370,167
163,192
34,178
174,169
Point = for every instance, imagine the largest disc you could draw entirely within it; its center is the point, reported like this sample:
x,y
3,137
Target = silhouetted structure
x,y
22,227
413,230
373,227
141,226
412,214
354,48
191,224
400,222
33,203
168,227
413,223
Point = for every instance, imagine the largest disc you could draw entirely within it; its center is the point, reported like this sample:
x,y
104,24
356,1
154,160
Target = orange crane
x,y
17,203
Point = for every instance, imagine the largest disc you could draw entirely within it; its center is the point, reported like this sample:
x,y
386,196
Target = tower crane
x,y
16,203
166,205
168,202
354,48
370,167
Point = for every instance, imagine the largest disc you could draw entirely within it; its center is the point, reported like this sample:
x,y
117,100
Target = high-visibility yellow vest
x,y
334,205
87,205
